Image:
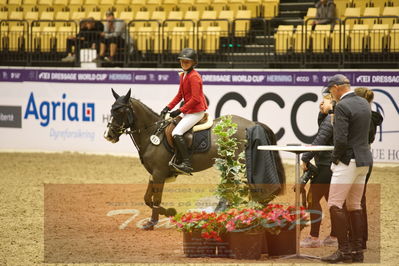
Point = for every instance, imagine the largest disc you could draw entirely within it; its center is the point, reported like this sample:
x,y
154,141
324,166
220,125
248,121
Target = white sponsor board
x,y
73,116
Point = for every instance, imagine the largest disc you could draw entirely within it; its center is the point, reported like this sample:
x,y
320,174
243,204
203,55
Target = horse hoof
x,y
148,226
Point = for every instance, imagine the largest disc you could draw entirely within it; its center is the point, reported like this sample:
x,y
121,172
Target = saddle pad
x,y
201,142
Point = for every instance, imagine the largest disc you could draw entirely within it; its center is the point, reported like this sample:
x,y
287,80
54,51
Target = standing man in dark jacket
x,y
351,159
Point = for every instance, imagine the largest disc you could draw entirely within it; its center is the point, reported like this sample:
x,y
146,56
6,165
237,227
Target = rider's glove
x,y
165,111
175,113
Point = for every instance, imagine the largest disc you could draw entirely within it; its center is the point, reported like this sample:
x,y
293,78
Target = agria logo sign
x,y
47,111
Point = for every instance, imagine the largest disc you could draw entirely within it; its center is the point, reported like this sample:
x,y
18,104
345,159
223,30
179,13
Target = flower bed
x,y
250,222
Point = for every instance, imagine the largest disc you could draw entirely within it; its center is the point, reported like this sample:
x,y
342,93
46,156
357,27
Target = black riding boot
x,y
356,223
338,219
185,165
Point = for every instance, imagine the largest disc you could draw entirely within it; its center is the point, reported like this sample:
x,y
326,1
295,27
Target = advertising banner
x,y
68,109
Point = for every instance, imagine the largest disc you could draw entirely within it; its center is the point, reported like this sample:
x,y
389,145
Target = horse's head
x,y
121,117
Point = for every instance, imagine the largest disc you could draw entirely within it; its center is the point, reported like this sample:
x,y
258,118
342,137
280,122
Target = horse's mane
x,y
134,100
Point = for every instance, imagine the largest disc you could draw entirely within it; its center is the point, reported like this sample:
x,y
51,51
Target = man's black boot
x,y
356,223
338,219
180,145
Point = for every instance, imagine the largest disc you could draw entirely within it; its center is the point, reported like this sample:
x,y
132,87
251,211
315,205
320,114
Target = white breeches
x,y
187,122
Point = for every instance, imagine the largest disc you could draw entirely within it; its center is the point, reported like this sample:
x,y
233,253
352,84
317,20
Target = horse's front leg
x,y
153,199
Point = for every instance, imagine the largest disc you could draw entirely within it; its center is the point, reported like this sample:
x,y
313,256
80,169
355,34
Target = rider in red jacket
x,y
194,107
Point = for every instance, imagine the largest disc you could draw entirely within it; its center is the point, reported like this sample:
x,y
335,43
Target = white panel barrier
x,y
68,110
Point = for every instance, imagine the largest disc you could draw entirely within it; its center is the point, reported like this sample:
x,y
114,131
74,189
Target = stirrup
x,y
178,169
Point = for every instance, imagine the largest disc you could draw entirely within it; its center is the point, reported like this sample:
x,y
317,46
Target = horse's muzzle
x,y
109,138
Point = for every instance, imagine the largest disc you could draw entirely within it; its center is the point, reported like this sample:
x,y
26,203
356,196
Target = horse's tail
x,y
279,162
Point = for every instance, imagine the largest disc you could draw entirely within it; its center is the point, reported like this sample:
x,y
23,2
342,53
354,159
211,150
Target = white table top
x,y
296,148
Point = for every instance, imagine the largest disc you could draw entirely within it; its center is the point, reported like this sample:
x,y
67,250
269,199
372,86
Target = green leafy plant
x,y
233,187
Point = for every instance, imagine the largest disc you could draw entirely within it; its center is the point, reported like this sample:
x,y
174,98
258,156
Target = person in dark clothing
x,y
326,13
88,37
320,184
376,120
351,159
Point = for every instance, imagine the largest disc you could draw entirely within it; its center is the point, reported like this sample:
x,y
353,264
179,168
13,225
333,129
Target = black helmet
x,y
188,54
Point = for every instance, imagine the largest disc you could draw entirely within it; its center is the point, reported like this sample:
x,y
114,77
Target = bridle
x,y
128,128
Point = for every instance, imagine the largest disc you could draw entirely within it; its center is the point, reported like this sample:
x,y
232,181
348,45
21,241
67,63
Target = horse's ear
x,y
116,96
127,97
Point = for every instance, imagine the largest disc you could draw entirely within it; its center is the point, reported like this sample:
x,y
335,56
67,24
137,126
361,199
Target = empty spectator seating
x,y
379,38
283,38
358,38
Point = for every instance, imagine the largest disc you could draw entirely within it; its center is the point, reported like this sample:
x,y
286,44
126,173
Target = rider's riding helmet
x,y
188,54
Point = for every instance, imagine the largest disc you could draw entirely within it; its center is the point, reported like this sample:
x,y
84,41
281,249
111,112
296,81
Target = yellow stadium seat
x,y
178,38
18,37
31,15
370,12
171,2
379,3
178,15
226,14
107,2
210,39
138,2
47,15
142,15
30,2
148,38
283,38
299,40
351,12
78,15
208,15
91,2
76,2
394,39
60,2
339,38
3,2
62,15
390,11
203,2
3,15
95,14
270,8
310,14
122,3
358,36
16,15
194,15
14,2
242,23
321,38
126,15
379,37
45,2
340,5
187,2
158,15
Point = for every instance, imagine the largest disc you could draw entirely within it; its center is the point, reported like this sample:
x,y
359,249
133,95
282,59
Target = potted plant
x,y
245,232
201,231
280,224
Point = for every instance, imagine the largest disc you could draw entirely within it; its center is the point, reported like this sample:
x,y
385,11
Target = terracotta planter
x,y
281,244
246,245
196,246
223,248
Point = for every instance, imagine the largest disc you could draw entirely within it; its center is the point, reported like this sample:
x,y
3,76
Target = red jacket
x,y
191,92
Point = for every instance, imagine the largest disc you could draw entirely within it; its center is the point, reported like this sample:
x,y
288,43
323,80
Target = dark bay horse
x,y
129,115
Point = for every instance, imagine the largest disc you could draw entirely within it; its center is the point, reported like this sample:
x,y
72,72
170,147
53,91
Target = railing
x,y
220,43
